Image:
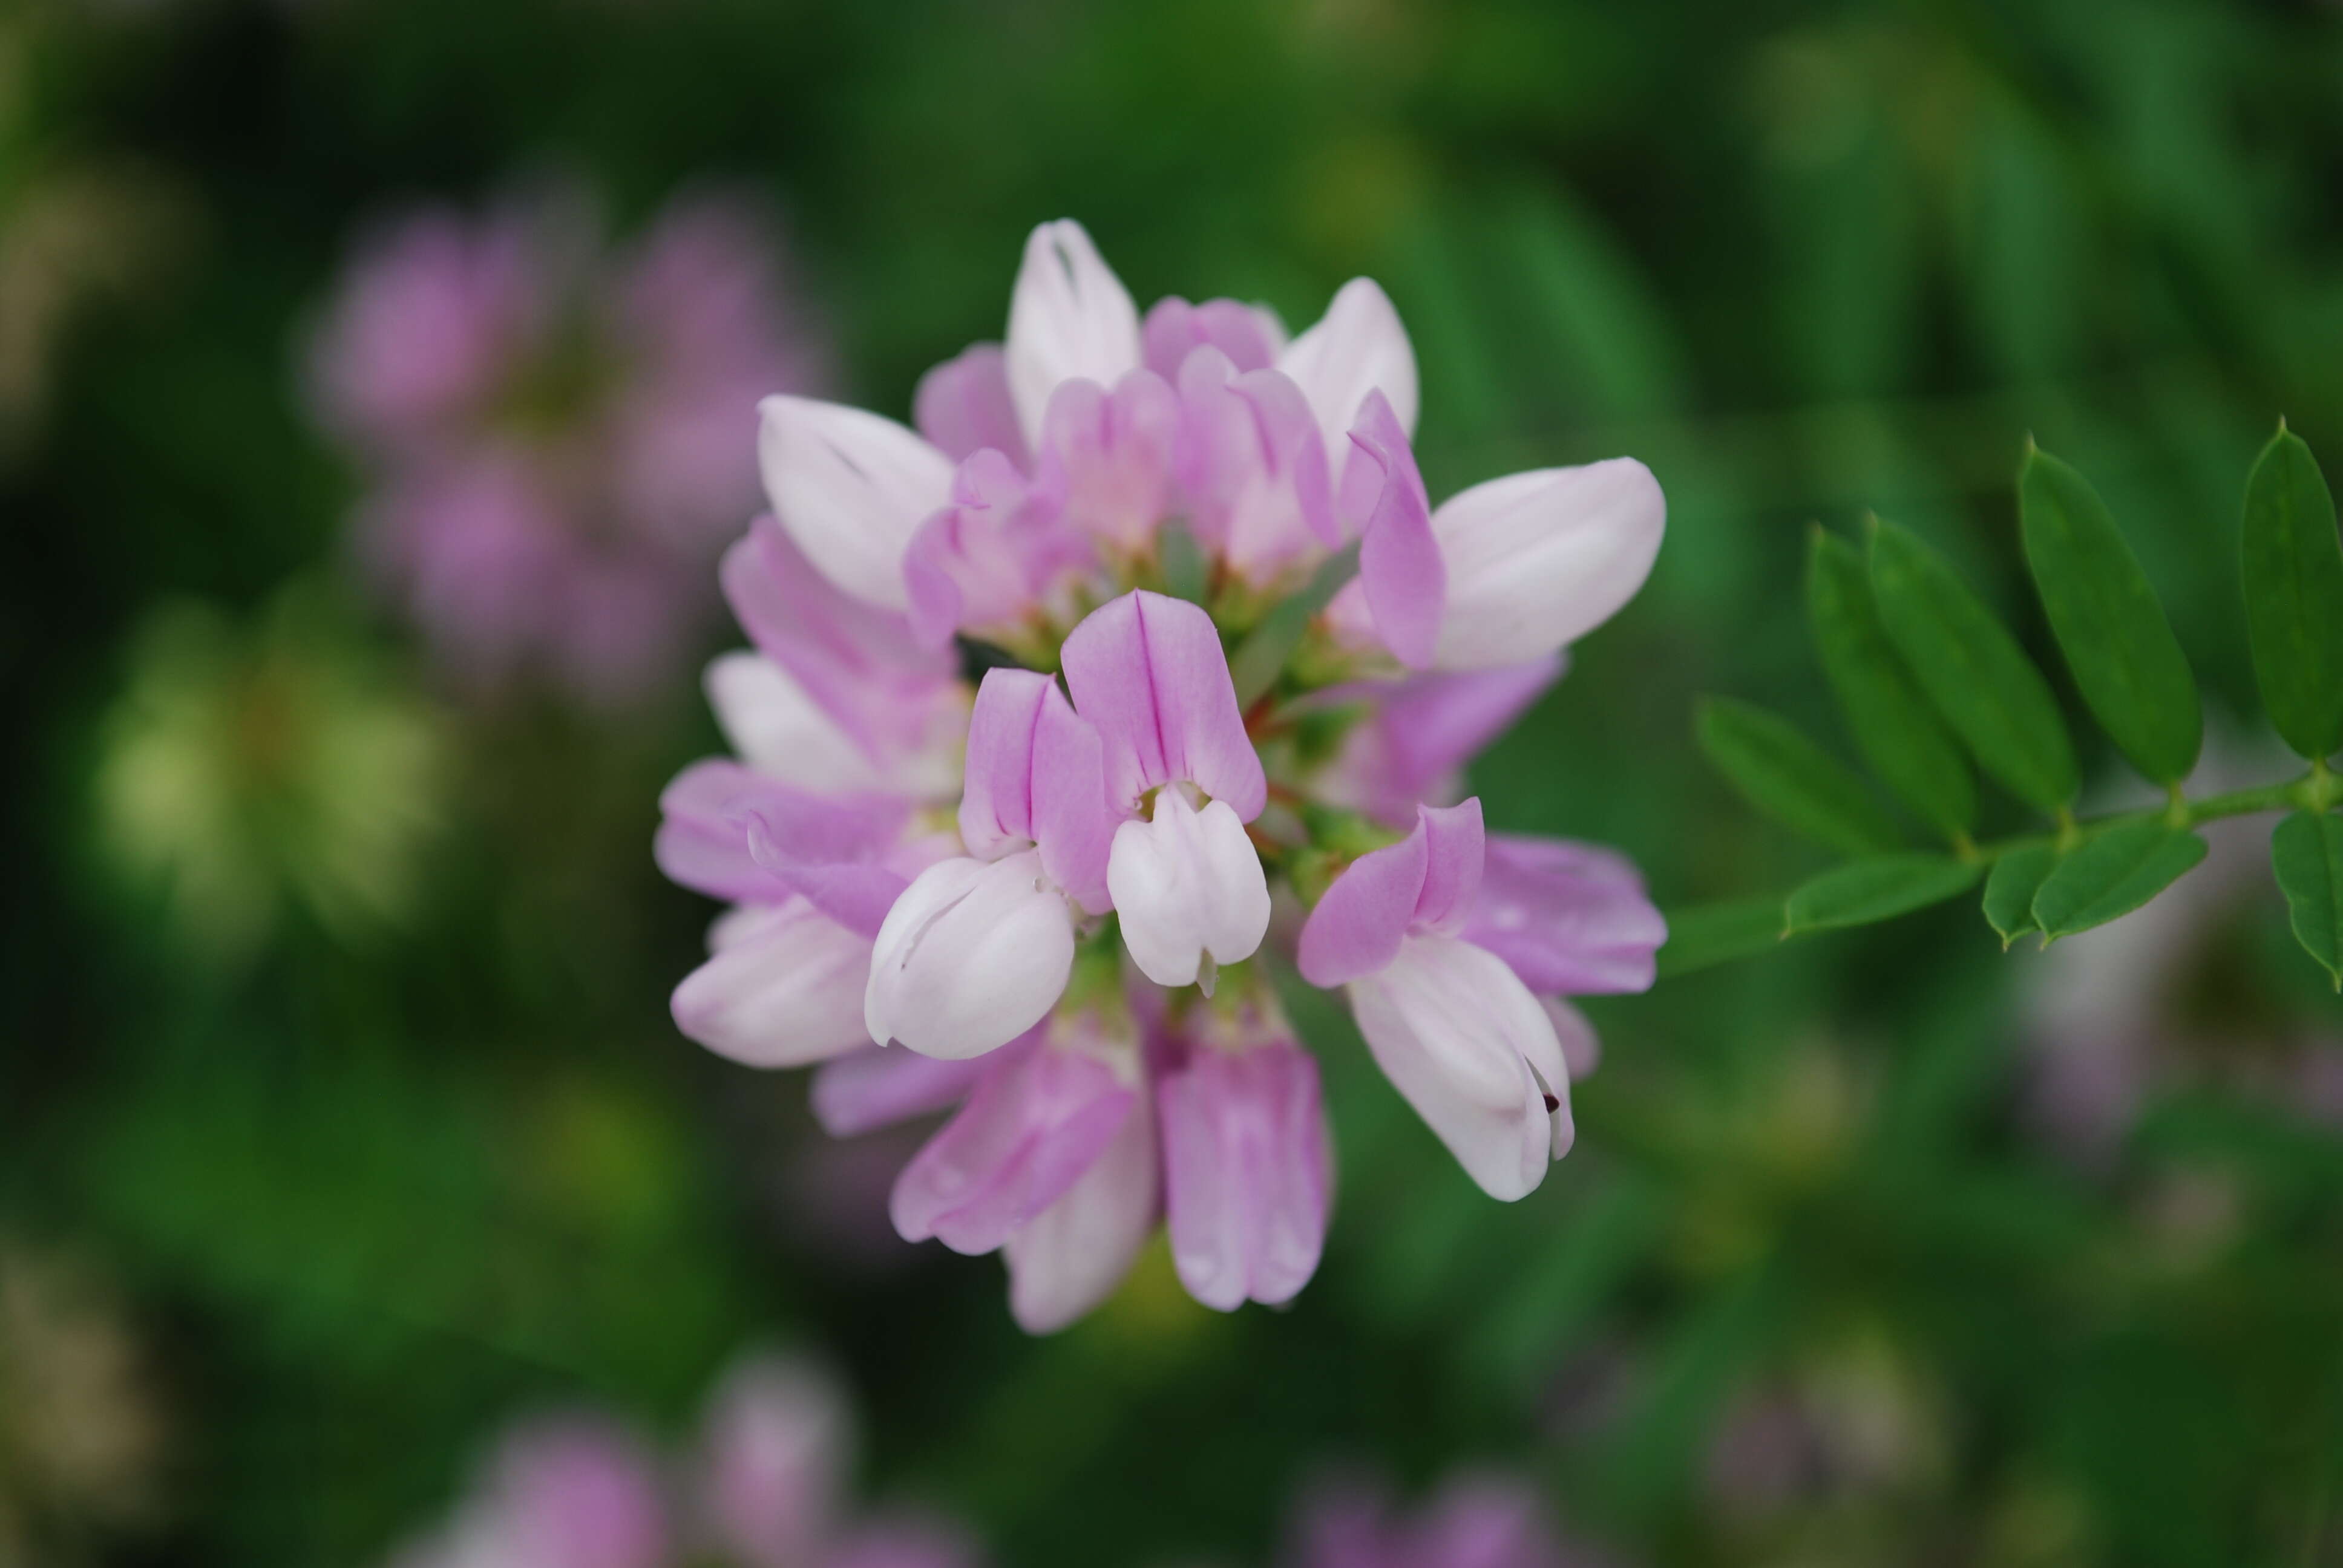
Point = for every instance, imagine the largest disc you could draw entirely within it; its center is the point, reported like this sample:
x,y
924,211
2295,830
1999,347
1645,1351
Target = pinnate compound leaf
x,y
1972,670
2109,621
2112,874
2307,851
1866,891
1790,778
1893,724
2293,571
2010,891
1702,935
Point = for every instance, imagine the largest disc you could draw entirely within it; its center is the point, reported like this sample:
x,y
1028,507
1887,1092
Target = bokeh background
x,y
340,1117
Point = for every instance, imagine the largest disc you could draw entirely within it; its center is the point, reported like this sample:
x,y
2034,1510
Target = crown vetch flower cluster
x,y
1033,896
553,428
763,1486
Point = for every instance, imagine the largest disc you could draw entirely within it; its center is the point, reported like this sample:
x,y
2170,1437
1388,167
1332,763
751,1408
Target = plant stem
x,y
2312,791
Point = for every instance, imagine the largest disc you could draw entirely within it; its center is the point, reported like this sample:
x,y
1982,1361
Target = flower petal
x,y
1149,674
1571,919
1459,1037
1069,316
1357,346
858,663
850,487
878,1086
1400,566
1033,1125
785,989
1250,336
971,957
1427,882
713,810
1185,884
962,406
1582,1047
1422,731
1071,1257
1245,1170
996,805
780,731
778,1440
1109,455
1537,560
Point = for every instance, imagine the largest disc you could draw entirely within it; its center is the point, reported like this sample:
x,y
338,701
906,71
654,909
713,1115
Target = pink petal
x,y
971,956
1466,1044
712,810
1400,564
1571,919
578,1491
1035,1124
1109,456
1427,881
778,1443
856,661
996,806
1071,1257
1148,673
850,487
1422,732
988,557
1357,348
784,989
1174,327
1072,821
962,406
1069,316
1245,1170
878,1086
1537,560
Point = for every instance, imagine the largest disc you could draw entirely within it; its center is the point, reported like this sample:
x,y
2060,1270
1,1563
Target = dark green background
x,y
366,1196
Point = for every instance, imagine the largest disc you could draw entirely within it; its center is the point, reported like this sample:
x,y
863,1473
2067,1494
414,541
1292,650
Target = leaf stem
x,y
2310,793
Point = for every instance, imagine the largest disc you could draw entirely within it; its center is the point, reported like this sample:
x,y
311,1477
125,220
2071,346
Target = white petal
x,y
784,989
1537,560
1457,1033
1355,347
1069,316
1070,1256
971,957
780,731
1186,884
851,487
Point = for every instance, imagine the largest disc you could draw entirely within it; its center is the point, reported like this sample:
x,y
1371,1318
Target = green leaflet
x,y
1972,670
2292,566
1186,573
1866,891
2112,874
1790,778
1255,666
2307,851
1706,934
2009,890
2108,620
1894,728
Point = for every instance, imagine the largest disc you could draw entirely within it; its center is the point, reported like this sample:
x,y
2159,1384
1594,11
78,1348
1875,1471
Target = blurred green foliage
x,y
375,1186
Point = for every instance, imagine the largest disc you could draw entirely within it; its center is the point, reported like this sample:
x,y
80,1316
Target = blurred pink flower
x,y
1474,1521
764,1487
555,434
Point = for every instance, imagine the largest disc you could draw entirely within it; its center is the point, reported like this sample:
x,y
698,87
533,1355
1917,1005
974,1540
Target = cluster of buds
x,y
1145,653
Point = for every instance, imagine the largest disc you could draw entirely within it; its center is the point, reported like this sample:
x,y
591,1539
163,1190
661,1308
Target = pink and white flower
x,y
1159,740
763,1486
554,431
